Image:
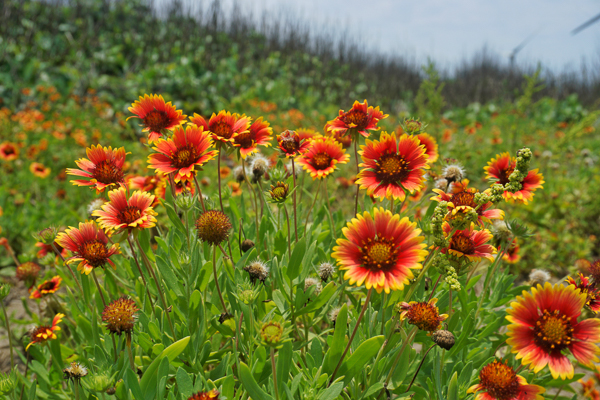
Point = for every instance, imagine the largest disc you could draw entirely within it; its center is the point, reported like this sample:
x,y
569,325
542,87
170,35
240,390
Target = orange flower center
x,y
129,214
107,172
48,287
94,253
184,157
424,316
465,198
244,140
156,120
379,254
222,129
279,192
499,380
553,331
120,315
321,160
462,243
9,150
392,168
36,335
39,168
356,117
290,144
504,174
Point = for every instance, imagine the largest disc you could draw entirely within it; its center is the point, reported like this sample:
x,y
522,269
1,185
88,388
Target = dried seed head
x,y
453,173
443,338
238,174
259,166
120,315
308,282
247,244
257,270
75,371
539,276
443,184
326,270
28,272
502,233
213,227
95,205
333,314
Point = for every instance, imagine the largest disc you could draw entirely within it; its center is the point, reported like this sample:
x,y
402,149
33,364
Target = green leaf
x,y
293,269
250,384
363,354
166,271
149,379
132,383
174,217
320,301
284,355
336,346
332,392
560,382
453,387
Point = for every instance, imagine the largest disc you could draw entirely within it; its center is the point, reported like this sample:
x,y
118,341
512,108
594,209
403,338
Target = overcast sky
x,y
451,30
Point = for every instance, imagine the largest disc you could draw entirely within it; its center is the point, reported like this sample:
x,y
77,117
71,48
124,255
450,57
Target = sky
x,y
448,31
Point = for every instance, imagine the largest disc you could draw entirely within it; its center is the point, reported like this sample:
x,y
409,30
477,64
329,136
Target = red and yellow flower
x,y
500,169
120,212
183,153
210,395
499,381
39,170
47,287
360,118
469,243
431,146
259,134
423,315
512,255
44,333
224,126
46,249
462,196
156,115
544,326
392,165
103,167
291,145
322,157
589,289
89,246
9,151
380,250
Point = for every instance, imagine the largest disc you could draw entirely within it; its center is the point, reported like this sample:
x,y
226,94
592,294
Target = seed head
x,y
120,315
95,205
28,272
453,173
539,276
308,282
259,166
75,371
257,270
247,244
238,174
326,270
333,314
443,338
502,233
213,227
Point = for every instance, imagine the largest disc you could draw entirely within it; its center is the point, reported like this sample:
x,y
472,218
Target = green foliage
x,y
429,100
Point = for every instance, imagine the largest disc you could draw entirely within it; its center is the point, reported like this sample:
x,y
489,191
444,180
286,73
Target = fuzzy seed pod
x,y
443,338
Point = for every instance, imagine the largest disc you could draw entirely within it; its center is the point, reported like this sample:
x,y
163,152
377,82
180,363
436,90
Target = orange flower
x,y
590,289
156,116
120,212
322,157
9,151
104,167
43,333
183,153
469,243
463,197
259,134
89,246
210,395
46,249
46,288
291,145
223,127
236,189
500,169
28,273
380,250
345,140
361,118
498,381
39,170
431,146
544,325
423,315
512,254
392,165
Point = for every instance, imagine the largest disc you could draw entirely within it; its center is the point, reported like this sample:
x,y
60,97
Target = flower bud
x,y
443,338
4,291
247,244
47,235
185,201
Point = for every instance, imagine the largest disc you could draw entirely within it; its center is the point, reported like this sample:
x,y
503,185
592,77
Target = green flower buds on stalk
x,y
8,382
439,214
520,172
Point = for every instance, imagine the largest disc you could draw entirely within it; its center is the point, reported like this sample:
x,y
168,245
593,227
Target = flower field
x,y
262,248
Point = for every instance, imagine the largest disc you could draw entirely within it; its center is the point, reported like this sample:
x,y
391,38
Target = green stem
x,y
419,368
137,263
76,388
294,199
357,172
312,206
104,303
158,287
10,345
219,178
214,265
362,312
68,266
387,339
274,373
409,339
329,212
199,193
488,280
129,352
255,204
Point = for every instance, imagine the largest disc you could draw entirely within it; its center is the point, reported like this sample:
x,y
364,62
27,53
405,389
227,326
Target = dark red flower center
x,y
39,168
379,253
184,157
357,117
499,380
462,243
321,161
503,175
244,140
553,331
107,172
424,316
290,144
129,214
9,150
39,331
48,286
157,120
392,168
222,129
94,252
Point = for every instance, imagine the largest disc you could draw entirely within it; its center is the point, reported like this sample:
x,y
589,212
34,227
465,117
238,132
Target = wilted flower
x,y
539,276
443,338
75,372
120,315
326,270
28,273
213,227
423,315
257,270
247,244
453,173
259,166
291,145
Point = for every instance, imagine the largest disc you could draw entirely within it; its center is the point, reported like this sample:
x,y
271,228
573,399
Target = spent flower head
x,y
213,227
120,316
